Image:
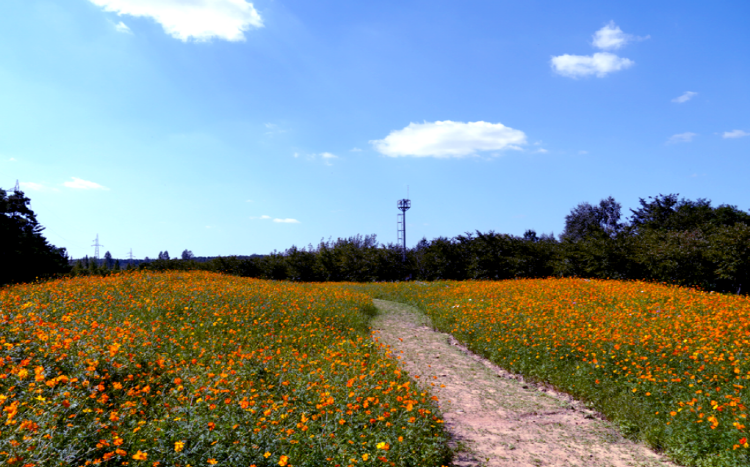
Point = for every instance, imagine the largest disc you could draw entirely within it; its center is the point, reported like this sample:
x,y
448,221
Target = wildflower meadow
x,y
198,369
668,364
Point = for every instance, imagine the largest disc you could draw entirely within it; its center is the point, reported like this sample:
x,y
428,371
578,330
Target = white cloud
x,y
685,97
599,64
681,138
611,37
277,220
328,157
36,186
200,20
12,159
542,151
735,134
80,184
355,150
122,27
449,139
273,129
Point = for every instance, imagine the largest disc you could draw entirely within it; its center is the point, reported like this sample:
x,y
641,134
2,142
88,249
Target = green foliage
x,y
669,240
25,254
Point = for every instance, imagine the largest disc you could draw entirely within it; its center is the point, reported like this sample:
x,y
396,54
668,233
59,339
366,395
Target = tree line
x,y
665,239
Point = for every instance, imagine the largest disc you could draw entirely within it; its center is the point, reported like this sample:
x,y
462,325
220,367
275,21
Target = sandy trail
x,y
496,418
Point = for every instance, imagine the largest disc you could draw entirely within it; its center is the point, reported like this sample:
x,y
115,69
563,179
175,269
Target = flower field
x,y
670,365
197,369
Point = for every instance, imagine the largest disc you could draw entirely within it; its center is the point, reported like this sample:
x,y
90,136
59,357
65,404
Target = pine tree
x,y
24,253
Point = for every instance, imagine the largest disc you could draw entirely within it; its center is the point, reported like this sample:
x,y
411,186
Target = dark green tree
x,y
667,213
187,255
24,253
108,261
586,220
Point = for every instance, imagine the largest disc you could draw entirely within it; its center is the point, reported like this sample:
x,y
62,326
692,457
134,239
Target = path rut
x,y
496,418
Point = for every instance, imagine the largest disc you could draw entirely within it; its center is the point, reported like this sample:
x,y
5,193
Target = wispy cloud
x,y
328,157
449,139
80,184
273,129
355,150
681,138
277,220
36,186
12,159
600,64
735,134
200,20
611,37
122,27
685,97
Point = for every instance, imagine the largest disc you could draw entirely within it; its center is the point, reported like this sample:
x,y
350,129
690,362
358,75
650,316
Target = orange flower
x,y
140,456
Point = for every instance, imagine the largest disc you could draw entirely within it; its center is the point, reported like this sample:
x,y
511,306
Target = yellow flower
x,y
140,456
267,455
179,446
212,461
365,456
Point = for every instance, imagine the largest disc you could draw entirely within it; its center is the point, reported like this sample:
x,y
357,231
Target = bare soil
x,y
496,418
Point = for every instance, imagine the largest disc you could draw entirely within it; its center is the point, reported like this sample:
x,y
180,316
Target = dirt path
x,y
495,417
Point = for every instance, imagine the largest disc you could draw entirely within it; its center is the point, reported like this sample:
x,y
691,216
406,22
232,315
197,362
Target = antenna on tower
x,y
16,188
403,206
97,245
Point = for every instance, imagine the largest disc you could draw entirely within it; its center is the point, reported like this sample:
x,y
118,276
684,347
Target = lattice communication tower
x,y
403,205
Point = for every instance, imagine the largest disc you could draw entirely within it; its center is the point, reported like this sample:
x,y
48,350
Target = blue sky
x,y
237,127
